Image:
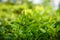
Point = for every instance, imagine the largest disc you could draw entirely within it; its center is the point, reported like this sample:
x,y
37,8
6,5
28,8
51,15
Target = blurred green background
x,y
29,20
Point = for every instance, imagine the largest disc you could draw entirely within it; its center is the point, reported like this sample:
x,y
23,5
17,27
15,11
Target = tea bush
x,y
19,22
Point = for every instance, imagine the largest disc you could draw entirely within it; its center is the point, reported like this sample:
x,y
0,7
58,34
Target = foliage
x,y
20,22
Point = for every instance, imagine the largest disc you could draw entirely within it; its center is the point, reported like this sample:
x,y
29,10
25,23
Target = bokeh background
x,y
29,19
